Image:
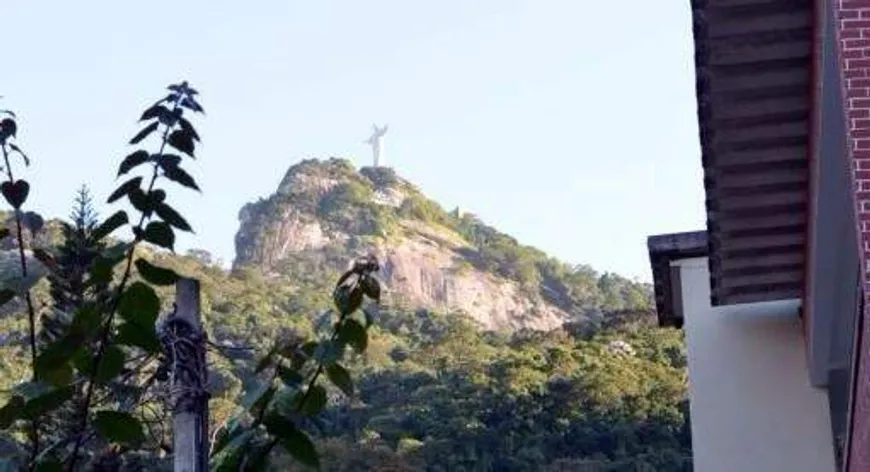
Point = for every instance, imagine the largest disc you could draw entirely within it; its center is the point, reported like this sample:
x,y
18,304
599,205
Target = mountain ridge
x,y
325,212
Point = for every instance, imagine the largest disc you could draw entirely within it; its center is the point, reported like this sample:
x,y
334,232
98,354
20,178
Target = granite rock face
x,y
329,207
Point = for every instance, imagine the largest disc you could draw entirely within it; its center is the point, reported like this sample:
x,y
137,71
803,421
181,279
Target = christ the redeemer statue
x,y
376,141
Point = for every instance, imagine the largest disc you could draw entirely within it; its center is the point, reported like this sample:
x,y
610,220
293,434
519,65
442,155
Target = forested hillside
x,y
440,386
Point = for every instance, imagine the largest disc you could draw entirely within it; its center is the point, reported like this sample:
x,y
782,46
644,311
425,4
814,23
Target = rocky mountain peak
x,y
324,213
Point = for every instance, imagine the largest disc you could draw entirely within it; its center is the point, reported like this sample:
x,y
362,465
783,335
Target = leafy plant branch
x,y
278,410
179,134
15,192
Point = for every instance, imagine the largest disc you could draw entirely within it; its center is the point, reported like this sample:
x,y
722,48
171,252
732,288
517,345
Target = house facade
x,y
772,295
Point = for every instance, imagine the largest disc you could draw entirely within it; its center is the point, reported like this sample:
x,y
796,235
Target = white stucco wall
x,y
752,405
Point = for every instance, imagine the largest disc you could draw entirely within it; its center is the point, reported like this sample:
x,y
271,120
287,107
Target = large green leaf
x,y
144,132
7,464
183,141
258,396
125,189
118,219
290,377
226,433
111,364
313,402
11,411
139,304
327,352
301,448
347,298
371,287
161,234
131,161
57,353
230,456
6,296
257,456
119,427
339,376
134,334
155,275
46,400
60,375
353,333
49,465
180,176
172,217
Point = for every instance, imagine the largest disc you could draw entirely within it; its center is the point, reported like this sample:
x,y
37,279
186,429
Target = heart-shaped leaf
x,y
15,193
8,128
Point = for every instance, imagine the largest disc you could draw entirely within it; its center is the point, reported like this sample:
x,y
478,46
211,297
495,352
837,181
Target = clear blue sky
x,y
569,124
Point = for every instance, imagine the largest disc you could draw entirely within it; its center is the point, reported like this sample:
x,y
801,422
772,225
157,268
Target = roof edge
x,y
664,249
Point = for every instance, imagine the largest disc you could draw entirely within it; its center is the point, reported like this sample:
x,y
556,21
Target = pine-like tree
x,y
74,256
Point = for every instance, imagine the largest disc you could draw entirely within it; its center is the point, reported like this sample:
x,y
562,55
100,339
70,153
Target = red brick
x,y
853,4
855,112
863,185
861,133
862,175
859,83
853,73
849,14
850,34
857,63
855,24
854,92
856,43
860,124
853,53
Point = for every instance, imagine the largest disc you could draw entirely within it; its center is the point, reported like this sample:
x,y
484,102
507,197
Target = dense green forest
x,y
308,356
435,393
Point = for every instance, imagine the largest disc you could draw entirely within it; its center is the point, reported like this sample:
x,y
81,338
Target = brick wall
x,y
853,34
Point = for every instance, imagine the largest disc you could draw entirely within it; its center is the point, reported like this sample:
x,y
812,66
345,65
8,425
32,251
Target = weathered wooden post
x,y
183,343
